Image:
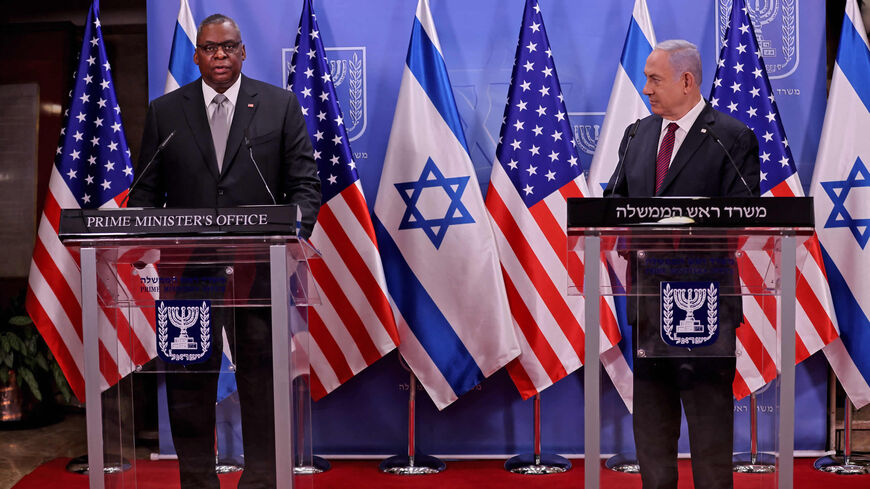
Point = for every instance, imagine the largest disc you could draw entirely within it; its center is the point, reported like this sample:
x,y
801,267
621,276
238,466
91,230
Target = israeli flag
x,y
627,102
841,187
182,69
437,246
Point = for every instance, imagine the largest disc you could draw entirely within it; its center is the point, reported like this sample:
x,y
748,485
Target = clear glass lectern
x,y
183,306
706,284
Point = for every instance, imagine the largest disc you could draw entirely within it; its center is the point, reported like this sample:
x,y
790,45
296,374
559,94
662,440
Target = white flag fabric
x,y
535,171
92,132
842,203
353,326
436,243
182,69
627,101
742,89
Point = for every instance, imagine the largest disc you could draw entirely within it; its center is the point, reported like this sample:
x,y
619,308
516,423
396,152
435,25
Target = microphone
x,y
631,135
257,167
709,130
145,170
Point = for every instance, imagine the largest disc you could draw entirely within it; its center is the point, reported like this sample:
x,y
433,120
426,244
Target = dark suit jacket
x,y
186,174
700,168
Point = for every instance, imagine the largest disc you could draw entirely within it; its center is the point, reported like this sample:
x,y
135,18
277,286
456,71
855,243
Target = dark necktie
x,y
663,160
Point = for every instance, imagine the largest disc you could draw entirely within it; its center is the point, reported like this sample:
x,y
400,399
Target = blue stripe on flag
x,y
429,325
854,325
181,64
634,55
428,67
226,378
854,59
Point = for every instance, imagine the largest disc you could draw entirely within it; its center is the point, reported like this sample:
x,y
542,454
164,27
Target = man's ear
x,y
688,80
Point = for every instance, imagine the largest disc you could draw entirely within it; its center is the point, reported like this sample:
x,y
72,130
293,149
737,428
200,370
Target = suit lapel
x,y
690,145
246,106
197,119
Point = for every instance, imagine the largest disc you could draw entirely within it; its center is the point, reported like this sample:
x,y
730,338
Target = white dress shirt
x,y
232,95
685,123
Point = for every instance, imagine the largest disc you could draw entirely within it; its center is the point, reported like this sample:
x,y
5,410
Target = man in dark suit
x,y
673,153
207,164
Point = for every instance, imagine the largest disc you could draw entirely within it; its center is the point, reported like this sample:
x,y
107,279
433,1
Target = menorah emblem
x,y
347,66
586,136
779,18
690,300
183,318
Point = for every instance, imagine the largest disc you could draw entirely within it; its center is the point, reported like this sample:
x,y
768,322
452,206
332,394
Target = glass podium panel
x,y
196,312
702,313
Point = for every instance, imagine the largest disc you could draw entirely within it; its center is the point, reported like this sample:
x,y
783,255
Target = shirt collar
x,y
689,119
232,93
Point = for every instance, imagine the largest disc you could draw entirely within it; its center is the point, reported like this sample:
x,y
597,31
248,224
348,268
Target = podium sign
x,y
690,270
172,291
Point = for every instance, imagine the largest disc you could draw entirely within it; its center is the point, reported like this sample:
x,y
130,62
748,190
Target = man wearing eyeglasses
x,y
219,121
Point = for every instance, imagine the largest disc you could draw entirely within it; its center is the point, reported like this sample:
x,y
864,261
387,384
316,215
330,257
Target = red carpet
x,y
482,474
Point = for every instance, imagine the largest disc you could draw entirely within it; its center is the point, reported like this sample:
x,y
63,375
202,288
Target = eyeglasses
x,y
229,47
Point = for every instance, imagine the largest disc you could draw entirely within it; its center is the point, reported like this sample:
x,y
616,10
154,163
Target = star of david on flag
x,y
838,191
741,88
353,326
449,299
535,171
436,227
840,184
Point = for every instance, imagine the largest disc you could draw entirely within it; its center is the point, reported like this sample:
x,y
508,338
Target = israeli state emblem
x,y
348,68
183,331
689,313
775,23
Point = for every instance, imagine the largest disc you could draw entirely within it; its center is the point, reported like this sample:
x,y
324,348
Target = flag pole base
x,y
79,465
318,465
758,463
839,465
227,468
623,462
416,465
537,464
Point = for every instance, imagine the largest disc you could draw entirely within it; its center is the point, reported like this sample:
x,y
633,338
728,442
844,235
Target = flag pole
x,y
845,465
537,463
754,462
412,463
305,465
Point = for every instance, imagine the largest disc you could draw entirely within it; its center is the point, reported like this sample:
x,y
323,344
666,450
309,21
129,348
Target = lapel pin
x,y
703,130
250,106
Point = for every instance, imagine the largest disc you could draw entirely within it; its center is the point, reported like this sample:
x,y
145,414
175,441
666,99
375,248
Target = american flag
x,y
535,171
742,89
354,325
92,170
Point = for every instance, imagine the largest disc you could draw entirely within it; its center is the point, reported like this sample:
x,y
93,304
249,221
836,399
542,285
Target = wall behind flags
x,y
367,42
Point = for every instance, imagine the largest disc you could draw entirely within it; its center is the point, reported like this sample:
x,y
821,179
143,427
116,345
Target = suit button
x,y
220,191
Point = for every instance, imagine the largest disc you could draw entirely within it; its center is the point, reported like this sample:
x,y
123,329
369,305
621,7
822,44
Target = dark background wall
x,y
40,41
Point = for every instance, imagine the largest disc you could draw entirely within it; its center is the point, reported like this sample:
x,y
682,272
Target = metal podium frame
x,y
278,248
592,235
